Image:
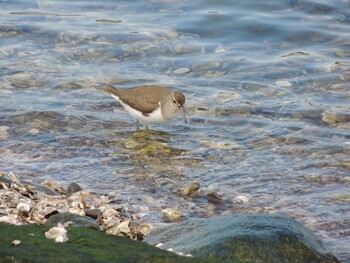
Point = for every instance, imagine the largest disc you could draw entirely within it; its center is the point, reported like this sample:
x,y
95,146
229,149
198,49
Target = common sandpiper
x,y
151,103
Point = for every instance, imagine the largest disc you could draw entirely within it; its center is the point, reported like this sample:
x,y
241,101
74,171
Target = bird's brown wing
x,y
144,98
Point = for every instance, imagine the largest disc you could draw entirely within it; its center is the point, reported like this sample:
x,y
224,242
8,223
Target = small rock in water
x,y
4,132
172,214
331,117
189,190
215,198
34,131
180,71
283,83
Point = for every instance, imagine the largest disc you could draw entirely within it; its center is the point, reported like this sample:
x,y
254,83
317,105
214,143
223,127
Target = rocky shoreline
x,y
42,215
24,202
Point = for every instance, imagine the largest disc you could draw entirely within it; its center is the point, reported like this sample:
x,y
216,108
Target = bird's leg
x,y
137,125
146,128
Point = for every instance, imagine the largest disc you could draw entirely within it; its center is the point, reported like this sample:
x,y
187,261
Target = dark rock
x,y
73,188
77,220
51,213
39,190
244,238
93,213
214,198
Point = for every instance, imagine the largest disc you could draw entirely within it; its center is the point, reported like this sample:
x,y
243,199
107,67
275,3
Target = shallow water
x,y
267,98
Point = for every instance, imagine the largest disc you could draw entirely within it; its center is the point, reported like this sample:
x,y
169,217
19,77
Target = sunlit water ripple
x,y
267,98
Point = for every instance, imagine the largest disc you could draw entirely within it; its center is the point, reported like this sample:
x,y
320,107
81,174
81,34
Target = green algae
x,y
84,245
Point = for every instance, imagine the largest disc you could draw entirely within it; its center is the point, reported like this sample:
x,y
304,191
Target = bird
x,y
151,104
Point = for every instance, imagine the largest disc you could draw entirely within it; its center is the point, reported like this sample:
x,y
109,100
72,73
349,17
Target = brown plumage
x,y
146,100
139,98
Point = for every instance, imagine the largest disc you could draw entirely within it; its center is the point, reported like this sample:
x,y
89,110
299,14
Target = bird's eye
x,y
175,101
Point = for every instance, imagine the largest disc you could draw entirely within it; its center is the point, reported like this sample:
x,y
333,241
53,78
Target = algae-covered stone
x,y
243,238
84,245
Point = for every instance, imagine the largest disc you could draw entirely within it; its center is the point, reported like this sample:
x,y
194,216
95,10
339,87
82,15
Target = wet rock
x,y
243,238
93,213
73,188
34,131
50,211
222,145
189,189
181,71
77,220
25,79
172,214
283,83
313,114
224,97
4,132
54,186
332,117
39,190
144,229
214,198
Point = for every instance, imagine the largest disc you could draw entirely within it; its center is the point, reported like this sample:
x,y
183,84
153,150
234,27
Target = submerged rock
x,y
332,117
243,238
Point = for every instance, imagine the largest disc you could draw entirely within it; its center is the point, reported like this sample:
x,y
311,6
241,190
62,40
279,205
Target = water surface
x,y
267,98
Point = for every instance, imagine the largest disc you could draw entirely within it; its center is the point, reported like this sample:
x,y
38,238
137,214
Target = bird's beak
x,y
183,114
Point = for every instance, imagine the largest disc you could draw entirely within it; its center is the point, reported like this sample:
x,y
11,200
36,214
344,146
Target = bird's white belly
x,y
154,117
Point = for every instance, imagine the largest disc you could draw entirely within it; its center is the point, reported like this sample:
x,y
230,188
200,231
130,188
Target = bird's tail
x,y
109,90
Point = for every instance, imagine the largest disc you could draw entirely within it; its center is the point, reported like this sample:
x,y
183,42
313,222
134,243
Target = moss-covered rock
x,y
244,238
84,245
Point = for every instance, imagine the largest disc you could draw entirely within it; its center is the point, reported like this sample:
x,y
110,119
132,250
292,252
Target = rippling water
x,y
267,99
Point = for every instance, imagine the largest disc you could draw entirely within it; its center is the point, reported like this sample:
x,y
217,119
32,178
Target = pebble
x,y
73,188
23,207
16,242
215,198
283,83
34,131
172,214
59,233
180,71
4,132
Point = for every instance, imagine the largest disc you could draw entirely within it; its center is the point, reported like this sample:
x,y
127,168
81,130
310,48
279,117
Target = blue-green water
x,y
267,98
